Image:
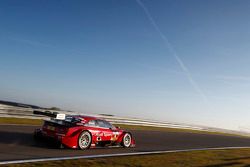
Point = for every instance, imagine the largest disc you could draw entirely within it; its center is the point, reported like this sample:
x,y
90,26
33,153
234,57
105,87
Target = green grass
x,y
212,158
151,128
22,121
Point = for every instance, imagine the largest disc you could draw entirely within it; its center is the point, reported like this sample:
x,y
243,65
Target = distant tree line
x,y
54,108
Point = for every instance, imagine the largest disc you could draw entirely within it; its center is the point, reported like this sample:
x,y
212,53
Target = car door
x,y
106,130
95,130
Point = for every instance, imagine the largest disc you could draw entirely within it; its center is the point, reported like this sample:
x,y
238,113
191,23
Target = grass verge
x,y
211,158
22,121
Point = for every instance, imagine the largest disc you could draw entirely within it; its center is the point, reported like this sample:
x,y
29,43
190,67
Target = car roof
x,y
87,118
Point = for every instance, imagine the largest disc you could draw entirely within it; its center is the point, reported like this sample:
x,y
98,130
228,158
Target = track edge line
x,y
115,155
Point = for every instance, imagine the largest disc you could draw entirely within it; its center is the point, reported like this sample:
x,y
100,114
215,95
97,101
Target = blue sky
x,y
171,60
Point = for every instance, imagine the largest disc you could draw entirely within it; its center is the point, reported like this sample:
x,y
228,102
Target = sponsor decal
x,y
100,134
114,136
116,133
60,116
107,134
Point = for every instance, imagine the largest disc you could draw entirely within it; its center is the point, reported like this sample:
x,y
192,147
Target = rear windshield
x,y
69,121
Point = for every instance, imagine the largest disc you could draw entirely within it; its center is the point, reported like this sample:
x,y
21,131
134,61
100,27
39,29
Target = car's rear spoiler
x,y
46,113
53,115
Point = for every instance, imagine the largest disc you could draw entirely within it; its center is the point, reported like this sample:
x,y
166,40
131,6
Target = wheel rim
x,y
127,140
84,140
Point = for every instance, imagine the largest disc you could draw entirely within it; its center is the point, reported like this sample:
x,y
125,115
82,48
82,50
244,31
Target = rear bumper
x,y
55,138
39,134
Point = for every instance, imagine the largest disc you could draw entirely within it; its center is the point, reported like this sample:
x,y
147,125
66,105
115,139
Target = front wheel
x,y
127,140
84,140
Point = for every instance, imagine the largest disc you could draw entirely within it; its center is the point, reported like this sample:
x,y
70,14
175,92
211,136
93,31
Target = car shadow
x,y
24,139
10,139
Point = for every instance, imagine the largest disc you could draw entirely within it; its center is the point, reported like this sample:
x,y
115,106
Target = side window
x,y
104,124
108,125
91,123
101,123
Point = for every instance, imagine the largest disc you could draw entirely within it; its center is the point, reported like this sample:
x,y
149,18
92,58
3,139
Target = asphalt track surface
x,y
16,143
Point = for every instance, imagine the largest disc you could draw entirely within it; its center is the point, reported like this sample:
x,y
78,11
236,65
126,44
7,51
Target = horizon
x,y
176,61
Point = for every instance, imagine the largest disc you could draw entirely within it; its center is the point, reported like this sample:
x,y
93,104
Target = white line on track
x,y
115,155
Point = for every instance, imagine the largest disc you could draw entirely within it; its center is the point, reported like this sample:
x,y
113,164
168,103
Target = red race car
x,y
82,132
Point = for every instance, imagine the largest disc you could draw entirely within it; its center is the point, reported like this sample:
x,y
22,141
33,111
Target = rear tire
x,y
84,140
127,140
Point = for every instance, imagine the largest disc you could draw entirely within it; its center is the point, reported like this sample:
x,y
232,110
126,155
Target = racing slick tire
x,y
84,140
126,140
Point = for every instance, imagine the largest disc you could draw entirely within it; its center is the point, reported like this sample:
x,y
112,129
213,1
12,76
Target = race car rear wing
x,y
46,113
52,115
58,118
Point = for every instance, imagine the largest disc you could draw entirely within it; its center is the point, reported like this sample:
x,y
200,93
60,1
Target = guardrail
x,y
13,111
22,112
